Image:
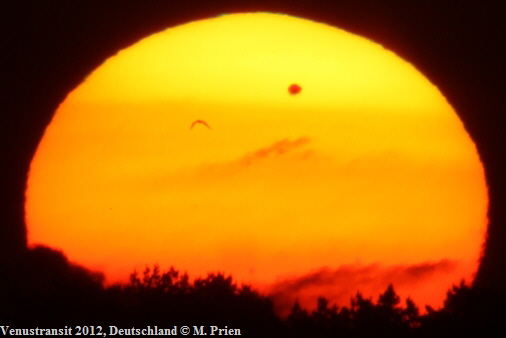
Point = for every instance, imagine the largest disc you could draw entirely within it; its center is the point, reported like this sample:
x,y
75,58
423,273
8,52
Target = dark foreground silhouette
x,y
40,288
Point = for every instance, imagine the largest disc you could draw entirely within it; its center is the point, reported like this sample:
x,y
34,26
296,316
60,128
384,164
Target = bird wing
x,y
201,122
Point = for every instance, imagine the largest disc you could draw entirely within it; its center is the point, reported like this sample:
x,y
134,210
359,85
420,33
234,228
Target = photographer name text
x,y
112,330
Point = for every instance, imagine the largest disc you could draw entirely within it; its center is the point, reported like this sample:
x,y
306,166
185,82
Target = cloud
x,y
271,158
275,150
341,284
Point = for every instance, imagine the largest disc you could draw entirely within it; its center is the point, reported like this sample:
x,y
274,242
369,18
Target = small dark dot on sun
x,y
294,89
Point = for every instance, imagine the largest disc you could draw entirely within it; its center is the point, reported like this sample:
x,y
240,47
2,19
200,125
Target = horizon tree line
x,y
41,288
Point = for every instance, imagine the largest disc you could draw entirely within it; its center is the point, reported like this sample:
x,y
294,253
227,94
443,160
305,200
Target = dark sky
x,y
48,47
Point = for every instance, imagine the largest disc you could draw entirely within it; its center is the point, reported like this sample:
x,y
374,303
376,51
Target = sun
x,y
269,147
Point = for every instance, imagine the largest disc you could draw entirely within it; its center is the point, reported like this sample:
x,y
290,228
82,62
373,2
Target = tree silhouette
x,y
326,318
388,310
411,314
365,320
467,311
41,288
299,322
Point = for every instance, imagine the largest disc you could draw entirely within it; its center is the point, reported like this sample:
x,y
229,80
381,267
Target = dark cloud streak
x,y
340,284
274,150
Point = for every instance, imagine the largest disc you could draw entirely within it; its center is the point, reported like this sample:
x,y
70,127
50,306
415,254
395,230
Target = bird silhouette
x,y
201,122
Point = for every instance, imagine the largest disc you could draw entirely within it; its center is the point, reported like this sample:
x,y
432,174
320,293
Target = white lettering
x,y
113,330
198,331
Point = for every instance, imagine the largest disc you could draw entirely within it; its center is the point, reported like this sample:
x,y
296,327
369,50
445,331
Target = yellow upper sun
x,y
366,162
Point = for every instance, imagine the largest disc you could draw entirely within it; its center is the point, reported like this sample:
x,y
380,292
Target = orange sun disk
x,y
366,179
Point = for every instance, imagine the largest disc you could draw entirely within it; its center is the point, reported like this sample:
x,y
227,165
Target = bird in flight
x,y
201,122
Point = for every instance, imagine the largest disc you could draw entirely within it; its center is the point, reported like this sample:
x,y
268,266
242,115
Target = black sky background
x,y
48,47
